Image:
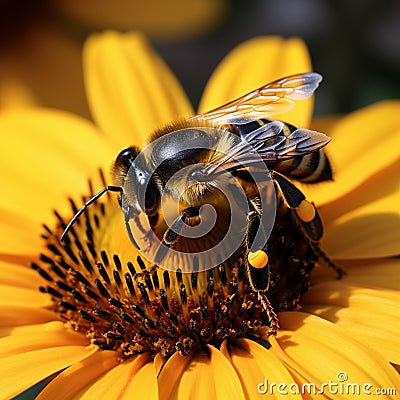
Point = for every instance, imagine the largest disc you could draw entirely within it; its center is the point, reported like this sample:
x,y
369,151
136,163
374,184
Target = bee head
x,y
140,191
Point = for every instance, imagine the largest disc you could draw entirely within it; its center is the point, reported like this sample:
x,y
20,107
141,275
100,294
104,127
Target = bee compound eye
x,y
152,198
127,156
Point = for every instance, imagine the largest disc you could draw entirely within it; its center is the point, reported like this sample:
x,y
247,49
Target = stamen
x,y
92,249
103,272
117,278
164,299
54,249
143,292
148,281
193,278
222,274
117,262
154,277
141,263
77,275
68,306
166,279
129,284
42,272
178,274
53,292
116,303
139,310
63,286
87,316
103,291
57,271
102,314
105,258
91,294
127,318
182,292
131,268
78,296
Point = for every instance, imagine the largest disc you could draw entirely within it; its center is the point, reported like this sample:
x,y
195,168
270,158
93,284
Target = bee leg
x,y
321,254
305,211
127,217
273,318
172,234
307,215
258,270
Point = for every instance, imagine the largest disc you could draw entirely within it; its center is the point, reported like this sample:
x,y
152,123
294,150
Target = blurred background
x,y
354,44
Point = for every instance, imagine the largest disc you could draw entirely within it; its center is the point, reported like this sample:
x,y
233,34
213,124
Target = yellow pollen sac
x,y
305,211
258,259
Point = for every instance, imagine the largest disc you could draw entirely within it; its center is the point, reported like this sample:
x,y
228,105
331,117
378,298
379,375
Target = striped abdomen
x,y
311,168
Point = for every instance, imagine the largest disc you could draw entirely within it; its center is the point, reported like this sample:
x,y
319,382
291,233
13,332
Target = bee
x,y
186,161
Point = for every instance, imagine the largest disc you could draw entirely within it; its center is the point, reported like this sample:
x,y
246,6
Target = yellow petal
x,y
14,296
131,91
365,223
330,354
35,337
22,315
255,63
21,371
375,273
19,234
159,362
114,383
258,368
73,379
144,381
202,376
196,382
226,380
171,373
17,275
162,20
373,314
364,143
48,155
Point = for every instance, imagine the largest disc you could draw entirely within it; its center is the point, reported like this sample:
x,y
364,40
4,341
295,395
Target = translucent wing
x,y
269,143
274,98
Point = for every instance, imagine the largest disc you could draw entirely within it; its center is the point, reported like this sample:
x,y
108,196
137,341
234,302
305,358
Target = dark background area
x,y
355,45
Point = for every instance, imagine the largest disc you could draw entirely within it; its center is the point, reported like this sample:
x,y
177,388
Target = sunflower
x,y
114,326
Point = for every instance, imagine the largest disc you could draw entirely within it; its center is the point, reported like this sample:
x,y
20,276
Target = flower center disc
x,y
121,303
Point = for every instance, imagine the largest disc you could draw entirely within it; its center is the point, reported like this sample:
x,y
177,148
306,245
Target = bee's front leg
x,y
172,234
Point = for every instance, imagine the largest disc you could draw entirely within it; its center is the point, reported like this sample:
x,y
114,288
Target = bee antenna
x,y
86,205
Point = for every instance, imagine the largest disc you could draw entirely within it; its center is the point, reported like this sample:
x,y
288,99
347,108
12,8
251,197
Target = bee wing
x,y
269,143
274,98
